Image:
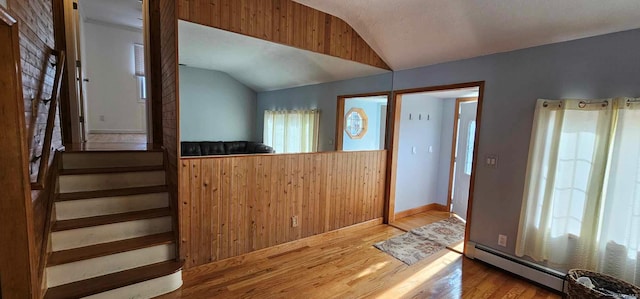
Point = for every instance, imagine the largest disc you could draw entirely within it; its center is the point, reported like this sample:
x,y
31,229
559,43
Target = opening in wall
x,y
433,151
361,122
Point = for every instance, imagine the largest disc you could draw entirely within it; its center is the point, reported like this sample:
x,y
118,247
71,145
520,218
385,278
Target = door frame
x,y
454,143
72,105
340,115
392,158
75,106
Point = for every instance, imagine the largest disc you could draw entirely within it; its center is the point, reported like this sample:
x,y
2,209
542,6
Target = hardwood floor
x,y
348,266
110,146
117,138
421,219
113,142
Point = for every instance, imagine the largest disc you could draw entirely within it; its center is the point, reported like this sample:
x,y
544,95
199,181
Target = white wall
x,y
112,91
446,138
371,139
417,173
215,107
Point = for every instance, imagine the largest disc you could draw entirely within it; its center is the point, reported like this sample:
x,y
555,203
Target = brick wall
x,y
35,19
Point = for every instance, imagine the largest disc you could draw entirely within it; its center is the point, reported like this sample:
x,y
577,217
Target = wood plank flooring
x,y
117,138
112,142
421,219
348,266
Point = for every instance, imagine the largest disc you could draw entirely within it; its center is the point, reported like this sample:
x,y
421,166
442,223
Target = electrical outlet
x,y
294,221
101,117
502,240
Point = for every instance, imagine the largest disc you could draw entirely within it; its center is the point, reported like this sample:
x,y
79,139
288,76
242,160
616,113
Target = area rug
x,y
420,243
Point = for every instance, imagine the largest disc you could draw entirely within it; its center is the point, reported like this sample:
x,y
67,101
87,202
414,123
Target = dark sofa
x,y
210,148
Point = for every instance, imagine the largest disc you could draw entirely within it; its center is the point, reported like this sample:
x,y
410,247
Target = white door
x,y
464,158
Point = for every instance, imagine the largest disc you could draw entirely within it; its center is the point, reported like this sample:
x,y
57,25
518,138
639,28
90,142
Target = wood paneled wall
x,y
234,205
168,87
285,22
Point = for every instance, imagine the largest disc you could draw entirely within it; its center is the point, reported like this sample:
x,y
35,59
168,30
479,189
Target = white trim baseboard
x,y
544,276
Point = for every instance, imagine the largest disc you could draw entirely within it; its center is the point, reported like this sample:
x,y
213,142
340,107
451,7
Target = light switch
x,y
431,148
491,161
413,150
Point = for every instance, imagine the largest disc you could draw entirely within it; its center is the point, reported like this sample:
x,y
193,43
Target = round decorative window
x,y
355,123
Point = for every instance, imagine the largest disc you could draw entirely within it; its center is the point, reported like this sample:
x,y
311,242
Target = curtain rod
x,y
633,101
584,104
546,104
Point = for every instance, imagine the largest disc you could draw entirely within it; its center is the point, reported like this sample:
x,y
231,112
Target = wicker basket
x,y
579,291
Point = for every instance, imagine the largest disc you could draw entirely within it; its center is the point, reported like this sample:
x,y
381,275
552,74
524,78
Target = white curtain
x,y
581,204
291,131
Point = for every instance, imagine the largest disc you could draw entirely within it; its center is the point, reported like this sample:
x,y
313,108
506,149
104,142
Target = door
x,y
463,160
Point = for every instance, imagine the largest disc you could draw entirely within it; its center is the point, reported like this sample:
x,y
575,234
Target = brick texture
x,y
35,21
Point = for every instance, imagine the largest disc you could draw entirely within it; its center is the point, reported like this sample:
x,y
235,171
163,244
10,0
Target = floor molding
x,y
421,209
286,247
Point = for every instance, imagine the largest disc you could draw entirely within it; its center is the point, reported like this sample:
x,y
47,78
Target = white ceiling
x,y
413,33
119,12
259,64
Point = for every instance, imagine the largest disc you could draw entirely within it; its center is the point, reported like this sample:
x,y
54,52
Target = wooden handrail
x,y
43,168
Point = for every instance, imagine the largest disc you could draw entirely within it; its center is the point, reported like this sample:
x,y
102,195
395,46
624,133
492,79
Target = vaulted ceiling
x,y
118,12
262,65
414,33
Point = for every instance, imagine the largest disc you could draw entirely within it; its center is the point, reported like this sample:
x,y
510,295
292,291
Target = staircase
x,y
111,235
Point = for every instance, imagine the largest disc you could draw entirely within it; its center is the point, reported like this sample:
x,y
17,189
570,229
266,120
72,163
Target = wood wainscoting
x,y
232,205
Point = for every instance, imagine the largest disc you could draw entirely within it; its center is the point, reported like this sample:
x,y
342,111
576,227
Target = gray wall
x,y
446,138
597,67
371,139
417,173
215,107
321,96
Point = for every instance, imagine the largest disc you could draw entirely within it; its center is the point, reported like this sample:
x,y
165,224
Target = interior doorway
x,y
433,153
110,96
361,122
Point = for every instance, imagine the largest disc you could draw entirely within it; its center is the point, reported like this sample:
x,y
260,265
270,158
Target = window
x,y
140,71
581,204
356,123
291,131
142,88
471,137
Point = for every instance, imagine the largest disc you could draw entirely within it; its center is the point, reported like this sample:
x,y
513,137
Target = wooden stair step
x,y
93,251
110,170
109,282
109,219
110,193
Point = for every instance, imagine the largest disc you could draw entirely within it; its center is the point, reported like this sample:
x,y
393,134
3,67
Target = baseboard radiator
x,y
536,273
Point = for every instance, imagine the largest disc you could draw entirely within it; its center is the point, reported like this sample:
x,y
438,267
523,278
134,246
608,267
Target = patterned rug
x,y
419,243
